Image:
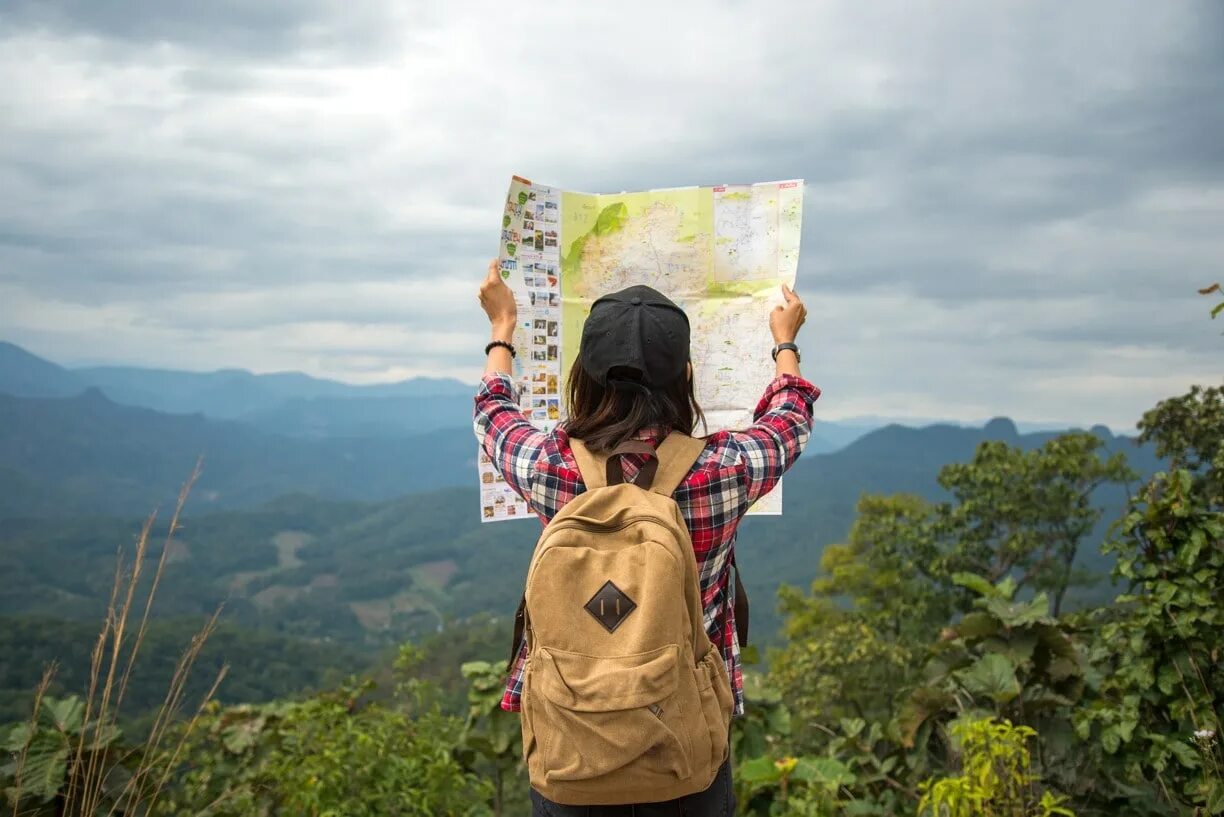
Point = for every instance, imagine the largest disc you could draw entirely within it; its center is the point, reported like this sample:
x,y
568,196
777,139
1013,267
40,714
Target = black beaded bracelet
x,y
507,346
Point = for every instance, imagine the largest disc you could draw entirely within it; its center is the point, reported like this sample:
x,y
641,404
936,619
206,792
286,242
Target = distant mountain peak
x,y
24,374
1001,428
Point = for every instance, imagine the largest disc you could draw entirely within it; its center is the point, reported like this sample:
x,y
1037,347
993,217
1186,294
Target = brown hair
x,y
603,417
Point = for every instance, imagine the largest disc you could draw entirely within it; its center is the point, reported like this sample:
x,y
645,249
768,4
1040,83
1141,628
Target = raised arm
x,y
505,434
782,421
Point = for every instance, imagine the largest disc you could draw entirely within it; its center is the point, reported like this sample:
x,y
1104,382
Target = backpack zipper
x,y
594,526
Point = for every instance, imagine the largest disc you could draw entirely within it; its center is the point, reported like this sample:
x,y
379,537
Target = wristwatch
x,y
782,346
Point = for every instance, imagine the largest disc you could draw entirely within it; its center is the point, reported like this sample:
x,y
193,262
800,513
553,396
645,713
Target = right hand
x,y
497,300
784,321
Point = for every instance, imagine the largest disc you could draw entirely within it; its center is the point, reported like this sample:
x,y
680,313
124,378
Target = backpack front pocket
x,y
594,715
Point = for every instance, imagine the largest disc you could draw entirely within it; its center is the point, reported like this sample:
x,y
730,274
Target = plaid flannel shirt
x,y
736,469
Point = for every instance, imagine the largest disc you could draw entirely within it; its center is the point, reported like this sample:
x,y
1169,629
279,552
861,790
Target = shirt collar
x,y
651,434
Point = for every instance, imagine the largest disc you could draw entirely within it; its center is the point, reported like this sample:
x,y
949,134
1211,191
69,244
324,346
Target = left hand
x,y
497,300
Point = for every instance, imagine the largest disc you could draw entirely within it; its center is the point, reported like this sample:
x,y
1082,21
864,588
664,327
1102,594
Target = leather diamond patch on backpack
x,y
610,606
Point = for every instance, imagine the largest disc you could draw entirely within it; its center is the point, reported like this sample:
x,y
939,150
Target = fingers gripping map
x,y
721,253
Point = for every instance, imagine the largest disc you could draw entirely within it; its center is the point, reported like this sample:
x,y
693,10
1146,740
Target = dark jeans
x,y
716,801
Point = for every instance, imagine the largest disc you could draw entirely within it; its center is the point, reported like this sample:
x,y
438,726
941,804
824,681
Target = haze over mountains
x,y
119,440
330,514
296,404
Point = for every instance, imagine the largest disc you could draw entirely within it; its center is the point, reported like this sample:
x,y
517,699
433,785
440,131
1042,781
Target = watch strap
x,y
782,346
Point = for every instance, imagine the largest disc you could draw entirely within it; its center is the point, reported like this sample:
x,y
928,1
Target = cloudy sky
x,y
1009,205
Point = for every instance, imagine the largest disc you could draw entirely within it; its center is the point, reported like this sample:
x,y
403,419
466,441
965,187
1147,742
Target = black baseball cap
x,y
637,328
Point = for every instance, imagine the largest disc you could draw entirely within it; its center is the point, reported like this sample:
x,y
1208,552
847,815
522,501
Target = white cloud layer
x,y
1009,204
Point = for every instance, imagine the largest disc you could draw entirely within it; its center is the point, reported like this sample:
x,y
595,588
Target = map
x,y
720,252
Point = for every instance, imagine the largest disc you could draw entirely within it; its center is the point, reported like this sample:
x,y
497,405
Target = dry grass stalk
x,y
95,672
133,791
169,766
95,770
157,574
111,662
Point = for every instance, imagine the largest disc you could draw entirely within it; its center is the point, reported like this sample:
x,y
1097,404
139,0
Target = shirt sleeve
x,y
782,424
505,434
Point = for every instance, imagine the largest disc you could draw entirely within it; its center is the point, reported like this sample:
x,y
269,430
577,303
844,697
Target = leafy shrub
x,y
330,755
996,778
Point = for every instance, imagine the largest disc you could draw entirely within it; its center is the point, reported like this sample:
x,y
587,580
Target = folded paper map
x,y
720,252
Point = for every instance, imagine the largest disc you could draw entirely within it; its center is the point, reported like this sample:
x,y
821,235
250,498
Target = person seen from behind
x,y
611,730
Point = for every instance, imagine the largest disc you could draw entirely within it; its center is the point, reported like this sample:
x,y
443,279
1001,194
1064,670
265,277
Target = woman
x,y
633,381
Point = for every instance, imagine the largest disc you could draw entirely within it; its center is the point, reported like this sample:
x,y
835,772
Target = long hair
x,y
603,417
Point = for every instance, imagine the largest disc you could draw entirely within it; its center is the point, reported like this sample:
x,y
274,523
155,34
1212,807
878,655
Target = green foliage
x,y
1025,513
1219,307
851,643
996,778
1159,657
1189,431
932,614
42,749
794,787
336,754
938,625
1006,657
766,720
491,740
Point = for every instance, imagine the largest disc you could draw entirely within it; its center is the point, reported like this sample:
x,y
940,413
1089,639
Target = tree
x,y
1155,715
1008,658
1189,432
851,643
1025,513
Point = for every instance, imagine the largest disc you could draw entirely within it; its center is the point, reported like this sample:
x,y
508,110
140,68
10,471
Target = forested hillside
x,y
88,455
370,575
928,669
929,593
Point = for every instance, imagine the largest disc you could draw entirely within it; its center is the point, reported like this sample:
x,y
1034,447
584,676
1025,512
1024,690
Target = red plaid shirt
x,y
734,471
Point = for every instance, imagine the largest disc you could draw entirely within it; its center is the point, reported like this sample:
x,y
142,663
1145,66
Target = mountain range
x,y
289,403
330,514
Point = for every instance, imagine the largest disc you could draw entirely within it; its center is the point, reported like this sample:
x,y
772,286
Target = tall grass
x,y
91,765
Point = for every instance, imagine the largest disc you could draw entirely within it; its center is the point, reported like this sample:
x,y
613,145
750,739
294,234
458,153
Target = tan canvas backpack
x,y
624,698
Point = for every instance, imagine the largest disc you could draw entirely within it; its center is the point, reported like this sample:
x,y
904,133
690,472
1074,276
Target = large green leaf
x,y
827,772
66,714
18,737
994,676
779,721
977,625
978,584
759,771
1019,613
921,704
46,761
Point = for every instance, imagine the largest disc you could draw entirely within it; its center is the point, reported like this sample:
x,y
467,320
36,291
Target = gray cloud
x,y
271,28
1009,205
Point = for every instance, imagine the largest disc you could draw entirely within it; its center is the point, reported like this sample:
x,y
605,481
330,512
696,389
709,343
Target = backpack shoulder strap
x,y
589,466
677,455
